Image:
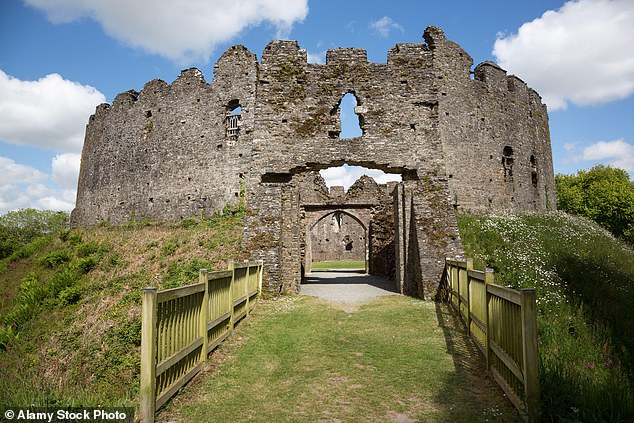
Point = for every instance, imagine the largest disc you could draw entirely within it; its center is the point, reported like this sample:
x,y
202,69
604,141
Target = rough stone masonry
x,y
461,139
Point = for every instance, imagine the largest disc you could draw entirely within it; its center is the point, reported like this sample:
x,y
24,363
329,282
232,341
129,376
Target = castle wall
x,y
164,153
459,143
495,134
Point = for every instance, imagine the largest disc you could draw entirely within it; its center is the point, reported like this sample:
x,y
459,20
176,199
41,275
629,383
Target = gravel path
x,y
346,287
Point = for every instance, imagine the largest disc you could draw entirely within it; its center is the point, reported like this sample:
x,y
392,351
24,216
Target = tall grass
x,y
584,281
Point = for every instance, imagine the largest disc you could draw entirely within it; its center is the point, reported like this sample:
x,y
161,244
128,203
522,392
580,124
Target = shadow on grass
x,y
476,385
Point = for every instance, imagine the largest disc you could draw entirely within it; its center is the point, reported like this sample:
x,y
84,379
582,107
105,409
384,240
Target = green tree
x,y
603,194
23,226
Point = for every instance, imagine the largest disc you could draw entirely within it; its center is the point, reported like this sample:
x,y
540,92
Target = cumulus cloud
x,y
617,153
385,25
51,112
581,53
347,175
11,172
182,30
66,170
23,186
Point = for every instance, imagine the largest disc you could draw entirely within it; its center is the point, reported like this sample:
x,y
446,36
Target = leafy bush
x,y
69,296
86,264
179,274
55,258
602,194
169,247
20,227
30,296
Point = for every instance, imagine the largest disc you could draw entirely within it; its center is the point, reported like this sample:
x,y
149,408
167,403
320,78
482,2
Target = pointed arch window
x,y
233,119
350,117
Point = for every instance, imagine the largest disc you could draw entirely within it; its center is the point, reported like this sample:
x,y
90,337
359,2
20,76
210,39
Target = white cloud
x,y
23,186
617,153
385,25
66,170
12,172
318,58
51,112
581,53
182,30
347,175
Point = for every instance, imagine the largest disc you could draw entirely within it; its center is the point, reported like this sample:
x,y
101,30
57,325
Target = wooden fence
x,y
180,326
503,323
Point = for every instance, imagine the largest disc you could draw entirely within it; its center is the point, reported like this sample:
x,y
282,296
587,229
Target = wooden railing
x,y
180,326
503,323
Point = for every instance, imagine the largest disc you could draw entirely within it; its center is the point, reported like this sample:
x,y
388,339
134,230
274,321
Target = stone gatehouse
x,y
461,139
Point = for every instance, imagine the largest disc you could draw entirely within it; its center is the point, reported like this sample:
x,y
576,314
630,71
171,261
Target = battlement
x,y
347,56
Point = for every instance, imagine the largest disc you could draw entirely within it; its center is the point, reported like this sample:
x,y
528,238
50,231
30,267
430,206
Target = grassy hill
x,y
584,281
70,304
70,308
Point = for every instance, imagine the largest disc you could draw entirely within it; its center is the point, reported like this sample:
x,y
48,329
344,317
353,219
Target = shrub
x,y
69,296
55,258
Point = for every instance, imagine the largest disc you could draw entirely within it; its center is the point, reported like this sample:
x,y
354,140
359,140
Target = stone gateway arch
x,y
461,139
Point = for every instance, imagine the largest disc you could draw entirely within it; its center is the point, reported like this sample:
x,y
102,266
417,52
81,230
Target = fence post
x,y
530,352
246,285
488,279
458,271
260,273
204,312
469,267
231,266
148,355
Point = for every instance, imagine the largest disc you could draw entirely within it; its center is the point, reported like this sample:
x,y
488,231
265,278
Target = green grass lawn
x,y
299,360
340,264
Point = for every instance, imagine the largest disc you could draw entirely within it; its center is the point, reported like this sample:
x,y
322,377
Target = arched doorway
x,y
337,239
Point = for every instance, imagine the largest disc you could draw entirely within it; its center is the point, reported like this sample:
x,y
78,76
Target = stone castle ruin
x,y
461,140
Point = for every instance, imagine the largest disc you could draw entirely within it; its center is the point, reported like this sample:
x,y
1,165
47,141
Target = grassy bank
x,y
584,280
70,311
296,359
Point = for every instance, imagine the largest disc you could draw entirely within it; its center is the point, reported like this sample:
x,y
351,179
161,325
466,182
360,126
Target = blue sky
x,y
60,58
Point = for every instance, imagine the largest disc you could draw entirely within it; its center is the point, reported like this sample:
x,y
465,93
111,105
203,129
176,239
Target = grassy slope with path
x,y
298,359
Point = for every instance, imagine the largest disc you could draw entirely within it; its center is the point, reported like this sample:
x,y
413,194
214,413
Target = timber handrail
x,y
181,326
503,323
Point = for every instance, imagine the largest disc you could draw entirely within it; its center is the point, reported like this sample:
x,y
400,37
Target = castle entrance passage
x,y
338,239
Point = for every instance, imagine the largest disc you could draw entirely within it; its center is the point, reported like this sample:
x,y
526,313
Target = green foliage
x,y
86,264
87,248
20,227
55,258
585,297
602,194
169,246
30,296
179,274
75,238
25,251
69,296
73,340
